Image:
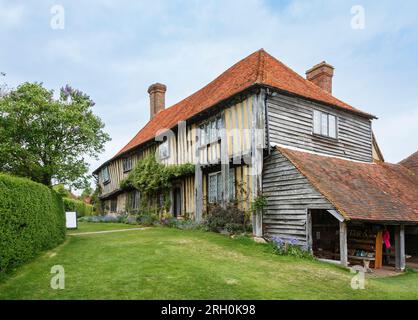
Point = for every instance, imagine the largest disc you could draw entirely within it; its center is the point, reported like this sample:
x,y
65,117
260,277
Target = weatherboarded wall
x,y
290,122
289,196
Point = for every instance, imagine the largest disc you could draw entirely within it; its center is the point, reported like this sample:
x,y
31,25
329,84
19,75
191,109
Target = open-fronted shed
x,y
379,197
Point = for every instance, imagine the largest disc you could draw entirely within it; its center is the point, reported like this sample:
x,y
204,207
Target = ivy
x,y
258,204
151,177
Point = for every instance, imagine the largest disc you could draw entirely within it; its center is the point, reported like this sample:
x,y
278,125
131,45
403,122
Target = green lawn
x,y
163,263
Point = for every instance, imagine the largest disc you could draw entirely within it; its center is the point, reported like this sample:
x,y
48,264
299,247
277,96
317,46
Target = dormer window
x,y
105,175
324,124
164,149
127,164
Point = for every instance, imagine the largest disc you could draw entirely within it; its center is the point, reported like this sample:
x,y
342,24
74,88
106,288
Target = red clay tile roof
x,y
258,68
411,163
361,191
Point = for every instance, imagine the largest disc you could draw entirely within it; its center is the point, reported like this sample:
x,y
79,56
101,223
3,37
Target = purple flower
x,y
305,248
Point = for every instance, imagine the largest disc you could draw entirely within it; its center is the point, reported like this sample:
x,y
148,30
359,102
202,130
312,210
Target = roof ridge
x,y
258,68
261,66
411,156
215,79
387,189
310,83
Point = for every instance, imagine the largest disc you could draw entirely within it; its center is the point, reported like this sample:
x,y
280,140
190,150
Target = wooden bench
x,y
366,261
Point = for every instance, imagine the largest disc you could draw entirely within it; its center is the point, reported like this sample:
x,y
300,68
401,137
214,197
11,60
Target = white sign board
x,y
71,220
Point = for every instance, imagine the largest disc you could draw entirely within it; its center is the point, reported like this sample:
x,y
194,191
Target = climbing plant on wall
x,y
153,179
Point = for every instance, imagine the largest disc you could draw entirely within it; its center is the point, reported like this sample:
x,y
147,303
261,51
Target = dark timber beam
x,y
257,147
224,165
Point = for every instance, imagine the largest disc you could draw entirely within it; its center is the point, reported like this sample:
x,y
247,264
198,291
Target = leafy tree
x,y
95,201
87,192
3,86
60,188
46,138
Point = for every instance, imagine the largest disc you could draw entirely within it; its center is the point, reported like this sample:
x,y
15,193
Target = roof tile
x,y
258,68
411,163
359,190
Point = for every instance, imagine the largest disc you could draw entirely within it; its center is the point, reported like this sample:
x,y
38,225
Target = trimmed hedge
x,y
82,209
32,219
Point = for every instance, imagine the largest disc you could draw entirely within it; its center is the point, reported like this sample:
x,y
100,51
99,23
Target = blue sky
x,y
113,50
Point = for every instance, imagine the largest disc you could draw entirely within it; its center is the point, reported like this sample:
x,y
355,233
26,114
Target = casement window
x,y
114,205
324,124
105,175
164,149
211,131
215,189
161,200
127,164
133,200
231,184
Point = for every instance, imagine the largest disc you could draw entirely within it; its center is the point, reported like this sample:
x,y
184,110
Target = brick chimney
x,y
321,74
157,98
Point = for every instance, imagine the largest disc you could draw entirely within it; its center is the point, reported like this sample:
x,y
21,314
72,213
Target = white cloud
x,y
397,135
11,15
64,49
114,51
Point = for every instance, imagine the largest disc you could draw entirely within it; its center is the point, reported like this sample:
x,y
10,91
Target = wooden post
x,y
198,178
343,244
257,148
198,181
309,241
224,165
171,202
400,248
379,249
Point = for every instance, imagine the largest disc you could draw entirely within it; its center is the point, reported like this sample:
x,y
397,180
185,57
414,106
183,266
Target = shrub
x,y
82,209
32,219
147,218
189,225
290,247
107,218
230,219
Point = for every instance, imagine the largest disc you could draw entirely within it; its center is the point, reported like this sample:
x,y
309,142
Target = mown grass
x,y
162,263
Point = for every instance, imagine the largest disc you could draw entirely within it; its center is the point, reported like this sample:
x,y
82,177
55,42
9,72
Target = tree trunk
x,y
46,179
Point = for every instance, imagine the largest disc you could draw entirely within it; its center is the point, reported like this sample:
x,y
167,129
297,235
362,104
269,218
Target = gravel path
x,y
108,231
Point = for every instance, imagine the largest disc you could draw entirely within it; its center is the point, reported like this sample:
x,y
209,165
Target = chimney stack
x,y
321,75
157,98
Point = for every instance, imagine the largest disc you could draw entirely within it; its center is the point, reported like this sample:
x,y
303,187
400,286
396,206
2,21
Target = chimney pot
x,y
157,98
321,75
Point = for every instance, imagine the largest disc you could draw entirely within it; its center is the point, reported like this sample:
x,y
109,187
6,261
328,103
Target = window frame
x,y
133,201
167,143
107,180
216,191
124,162
231,184
210,131
218,185
318,128
114,205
